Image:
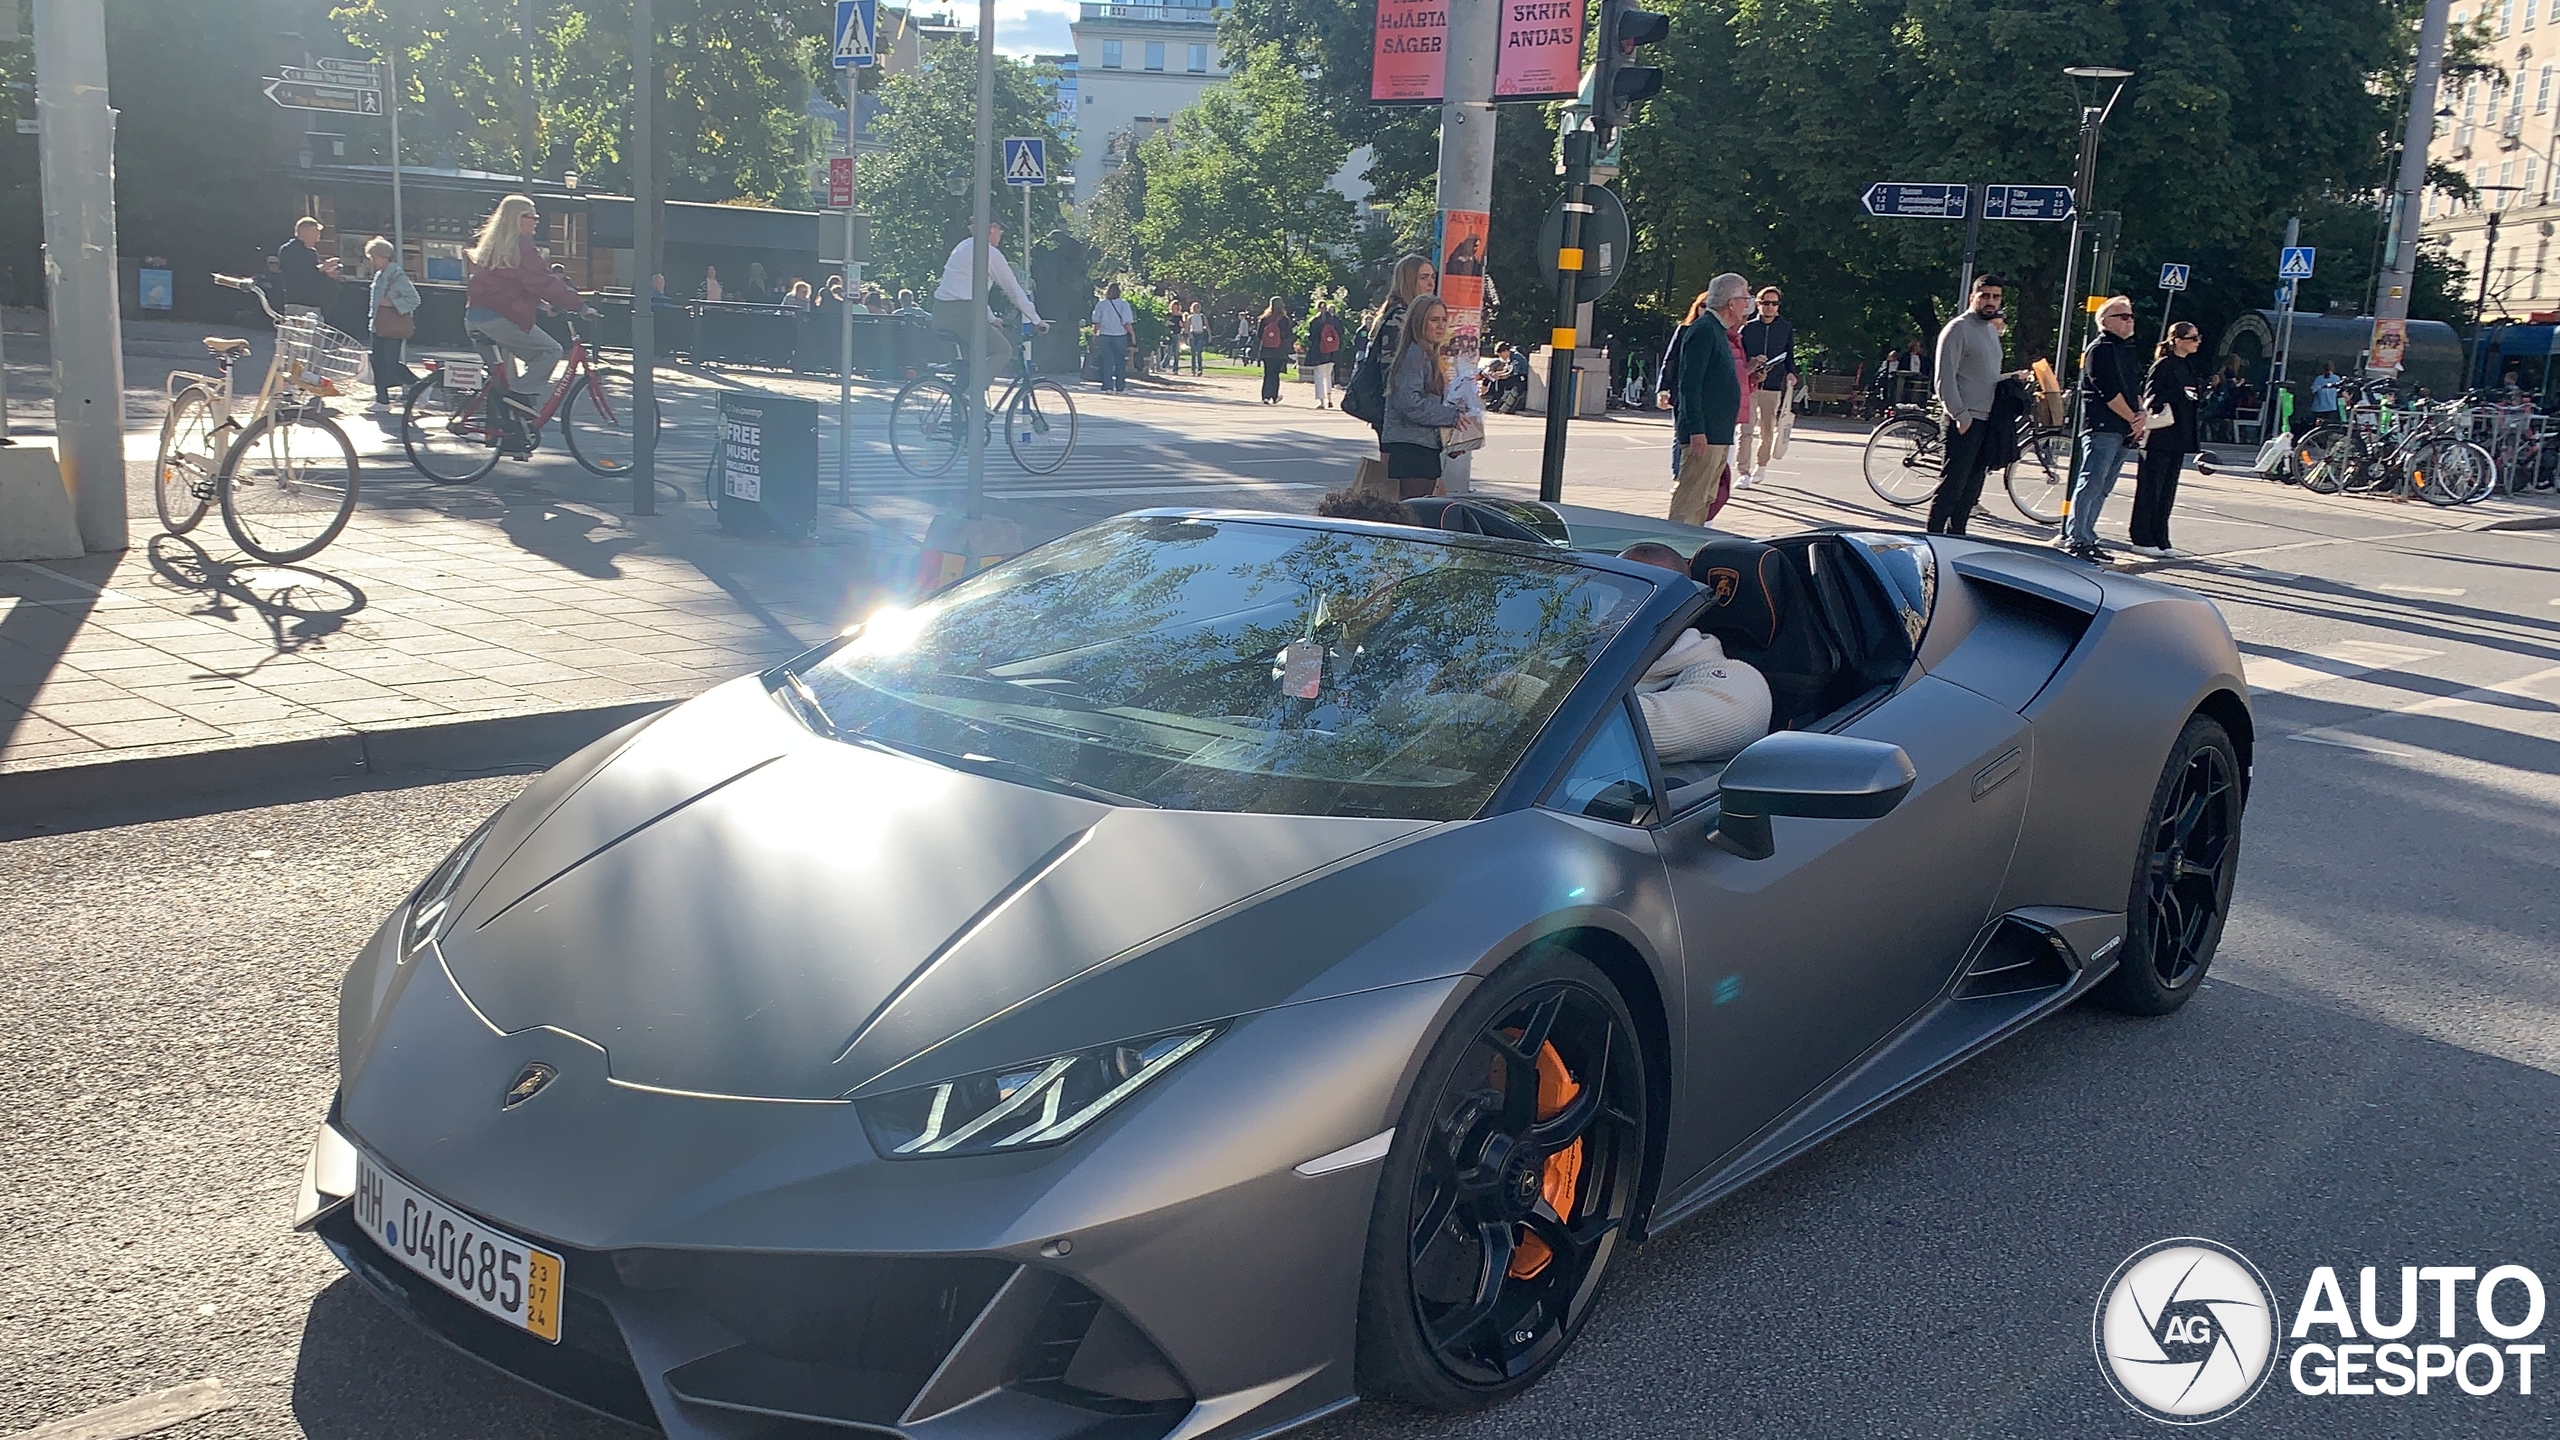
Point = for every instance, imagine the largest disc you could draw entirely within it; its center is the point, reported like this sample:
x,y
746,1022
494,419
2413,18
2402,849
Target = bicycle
x,y
2415,452
1039,418
283,472
1906,453
453,433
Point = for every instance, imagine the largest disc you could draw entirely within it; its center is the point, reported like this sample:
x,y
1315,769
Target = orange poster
x,y
1541,54
1411,56
1462,250
2390,344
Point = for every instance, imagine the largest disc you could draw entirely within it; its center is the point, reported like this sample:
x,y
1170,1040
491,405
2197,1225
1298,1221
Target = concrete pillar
x,y
77,152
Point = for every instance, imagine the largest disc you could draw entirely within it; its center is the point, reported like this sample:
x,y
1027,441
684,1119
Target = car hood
x,y
734,906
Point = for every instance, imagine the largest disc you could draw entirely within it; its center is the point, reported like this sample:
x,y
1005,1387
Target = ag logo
x,y
1724,582
2185,1331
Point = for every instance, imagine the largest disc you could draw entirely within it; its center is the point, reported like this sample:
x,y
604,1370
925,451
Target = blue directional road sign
x,y
1026,161
2173,277
1902,200
857,34
2295,262
2026,202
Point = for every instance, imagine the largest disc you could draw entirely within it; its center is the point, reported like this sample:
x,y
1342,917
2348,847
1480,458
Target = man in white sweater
x,y
1698,703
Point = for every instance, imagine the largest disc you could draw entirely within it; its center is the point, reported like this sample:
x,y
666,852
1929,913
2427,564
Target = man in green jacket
x,y
1709,399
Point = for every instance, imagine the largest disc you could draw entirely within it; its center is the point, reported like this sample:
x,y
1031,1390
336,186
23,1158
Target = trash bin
x,y
764,471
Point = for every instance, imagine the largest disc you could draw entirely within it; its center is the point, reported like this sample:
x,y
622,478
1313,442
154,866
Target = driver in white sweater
x,y
1698,703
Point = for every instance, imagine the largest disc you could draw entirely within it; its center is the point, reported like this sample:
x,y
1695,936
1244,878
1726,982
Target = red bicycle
x,y
454,433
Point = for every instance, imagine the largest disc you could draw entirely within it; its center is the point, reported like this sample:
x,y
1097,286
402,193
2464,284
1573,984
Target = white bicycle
x,y
280,468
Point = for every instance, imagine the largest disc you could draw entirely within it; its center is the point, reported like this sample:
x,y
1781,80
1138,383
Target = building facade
x,y
2502,135
1136,66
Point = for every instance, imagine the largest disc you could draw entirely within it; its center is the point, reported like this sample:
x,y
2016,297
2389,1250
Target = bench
x,y
1837,391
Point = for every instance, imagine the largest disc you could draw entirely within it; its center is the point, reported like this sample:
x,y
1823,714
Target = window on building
x,y
2528,14
2431,207
1155,54
1196,60
2506,177
2542,93
2532,180
1110,54
2506,16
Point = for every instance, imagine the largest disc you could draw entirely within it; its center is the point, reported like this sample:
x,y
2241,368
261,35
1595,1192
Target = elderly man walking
x,y
1968,373
1709,399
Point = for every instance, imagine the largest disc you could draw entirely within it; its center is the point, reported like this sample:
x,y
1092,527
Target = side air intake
x,y
2017,959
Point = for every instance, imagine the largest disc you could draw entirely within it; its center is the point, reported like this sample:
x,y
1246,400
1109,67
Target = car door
x,y
1800,963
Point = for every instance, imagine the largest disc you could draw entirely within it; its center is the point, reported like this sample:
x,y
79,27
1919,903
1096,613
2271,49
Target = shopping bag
x,y
1369,477
1466,435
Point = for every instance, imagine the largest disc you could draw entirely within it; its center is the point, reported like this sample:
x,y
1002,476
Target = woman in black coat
x,y
2173,388
1274,334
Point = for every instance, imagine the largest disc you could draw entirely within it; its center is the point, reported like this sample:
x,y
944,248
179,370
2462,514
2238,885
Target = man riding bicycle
x,y
955,308
509,278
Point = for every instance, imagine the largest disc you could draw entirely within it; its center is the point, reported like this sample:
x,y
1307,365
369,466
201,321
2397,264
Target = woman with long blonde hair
x,y
510,277
1418,403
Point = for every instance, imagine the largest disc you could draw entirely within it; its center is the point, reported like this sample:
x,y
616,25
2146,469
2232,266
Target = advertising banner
x,y
2390,344
1410,52
1541,54
1462,250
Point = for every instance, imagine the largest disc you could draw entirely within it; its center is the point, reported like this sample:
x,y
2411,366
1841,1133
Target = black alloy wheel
x,y
2182,890
1510,1187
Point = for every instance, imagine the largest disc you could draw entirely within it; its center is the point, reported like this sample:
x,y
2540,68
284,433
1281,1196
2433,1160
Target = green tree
x,y
1239,201
925,127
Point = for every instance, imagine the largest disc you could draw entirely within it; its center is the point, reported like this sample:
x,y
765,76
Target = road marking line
x,y
2423,590
140,1415
2271,675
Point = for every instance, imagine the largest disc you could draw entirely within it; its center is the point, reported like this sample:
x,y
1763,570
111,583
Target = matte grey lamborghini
x,y
1219,965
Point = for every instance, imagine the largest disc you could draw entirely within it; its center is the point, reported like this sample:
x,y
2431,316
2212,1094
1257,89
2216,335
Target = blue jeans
x,y
2102,457
1114,369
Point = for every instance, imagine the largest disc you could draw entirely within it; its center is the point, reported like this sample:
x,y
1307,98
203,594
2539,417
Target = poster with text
x,y
1541,54
1461,251
1410,52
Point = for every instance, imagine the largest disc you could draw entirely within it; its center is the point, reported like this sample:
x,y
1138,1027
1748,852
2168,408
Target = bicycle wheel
x,y
924,427
289,486
2320,457
598,419
2446,471
183,480
1902,461
447,434
2039,480
1040,426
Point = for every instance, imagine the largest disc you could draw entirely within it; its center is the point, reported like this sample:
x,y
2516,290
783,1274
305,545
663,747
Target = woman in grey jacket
x,y
1418,402
391,289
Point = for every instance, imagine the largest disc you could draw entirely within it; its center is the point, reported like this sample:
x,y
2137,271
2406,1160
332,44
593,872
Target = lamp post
x,y
2488,259
2093,118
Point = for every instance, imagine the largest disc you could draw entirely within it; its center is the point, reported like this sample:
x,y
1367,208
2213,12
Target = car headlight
x,y
427,908
1022,1107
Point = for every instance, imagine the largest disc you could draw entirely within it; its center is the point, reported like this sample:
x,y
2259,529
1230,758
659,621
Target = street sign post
x,y
2027,202
328,97
2173,278
1606,246
839,182
2293,262
1905,200
857,34
1026,160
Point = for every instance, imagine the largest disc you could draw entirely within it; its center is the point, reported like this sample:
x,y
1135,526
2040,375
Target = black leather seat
x,y
1767,619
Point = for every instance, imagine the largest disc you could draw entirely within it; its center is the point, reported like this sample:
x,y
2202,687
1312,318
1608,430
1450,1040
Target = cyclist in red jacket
x,y
509,278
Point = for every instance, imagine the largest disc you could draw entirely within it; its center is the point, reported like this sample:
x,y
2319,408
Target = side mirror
x,y
1813,776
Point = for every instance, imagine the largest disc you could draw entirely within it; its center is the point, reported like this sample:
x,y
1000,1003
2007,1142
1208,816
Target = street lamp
x,y
2085,82
2488,258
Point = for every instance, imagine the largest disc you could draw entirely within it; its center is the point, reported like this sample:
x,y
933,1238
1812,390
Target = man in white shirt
x,y
955,309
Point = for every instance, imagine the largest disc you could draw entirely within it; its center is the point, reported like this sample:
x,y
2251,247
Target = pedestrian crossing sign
x,y
2294,263
2173,277
857,34
1026,161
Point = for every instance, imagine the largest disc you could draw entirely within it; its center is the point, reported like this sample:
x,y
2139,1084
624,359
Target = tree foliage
x,y
926,130
1239,198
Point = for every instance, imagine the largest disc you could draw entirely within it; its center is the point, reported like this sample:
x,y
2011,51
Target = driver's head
x,y
1654,552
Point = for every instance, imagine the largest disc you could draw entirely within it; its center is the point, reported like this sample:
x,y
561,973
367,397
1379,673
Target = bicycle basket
x,y
317,358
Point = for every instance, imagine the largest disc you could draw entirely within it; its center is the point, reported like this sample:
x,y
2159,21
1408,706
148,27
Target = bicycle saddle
x,y
226,347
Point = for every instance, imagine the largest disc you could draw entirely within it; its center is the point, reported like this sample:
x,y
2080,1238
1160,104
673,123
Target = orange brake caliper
x,y
1556,1090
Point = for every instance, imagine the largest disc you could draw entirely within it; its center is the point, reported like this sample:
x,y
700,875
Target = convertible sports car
x,y
1219,965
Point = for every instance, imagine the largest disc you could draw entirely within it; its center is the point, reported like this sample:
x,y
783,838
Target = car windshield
x,y
1220,664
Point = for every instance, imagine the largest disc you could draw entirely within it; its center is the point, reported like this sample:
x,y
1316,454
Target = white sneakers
x,y
2162,552
1744,479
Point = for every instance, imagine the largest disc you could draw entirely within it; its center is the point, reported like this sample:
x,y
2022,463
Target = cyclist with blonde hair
x,y
510,277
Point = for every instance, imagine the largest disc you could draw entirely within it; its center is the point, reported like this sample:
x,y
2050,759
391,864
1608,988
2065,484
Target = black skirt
x,y
1413,462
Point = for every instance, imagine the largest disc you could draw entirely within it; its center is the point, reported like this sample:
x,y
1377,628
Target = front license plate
x,y
494,1272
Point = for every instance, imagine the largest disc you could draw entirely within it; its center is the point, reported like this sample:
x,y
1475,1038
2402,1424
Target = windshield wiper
x,y
813,712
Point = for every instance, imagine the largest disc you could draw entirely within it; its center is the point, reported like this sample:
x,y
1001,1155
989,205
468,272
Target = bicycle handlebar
x,y
244,283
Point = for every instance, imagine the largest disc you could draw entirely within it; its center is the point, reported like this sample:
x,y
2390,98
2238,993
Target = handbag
x,y
1369,477
390,324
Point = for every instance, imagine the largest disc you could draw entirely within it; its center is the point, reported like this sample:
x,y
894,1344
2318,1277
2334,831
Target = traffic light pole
x,y
1560,388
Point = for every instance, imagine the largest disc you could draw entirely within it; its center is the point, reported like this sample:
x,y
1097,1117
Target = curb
x,y
2518,522
103,792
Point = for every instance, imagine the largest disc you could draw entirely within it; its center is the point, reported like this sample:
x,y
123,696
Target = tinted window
x,y
1909,570
1238,665
1607,781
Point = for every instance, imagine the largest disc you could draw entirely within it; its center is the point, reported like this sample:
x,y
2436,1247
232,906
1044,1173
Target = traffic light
x,y
1623,86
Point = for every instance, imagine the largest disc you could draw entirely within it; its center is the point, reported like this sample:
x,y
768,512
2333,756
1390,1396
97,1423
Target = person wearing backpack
x,y
1273,339
1324,347
1365,398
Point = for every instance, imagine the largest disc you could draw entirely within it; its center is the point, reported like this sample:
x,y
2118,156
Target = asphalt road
x,y
2371,1078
